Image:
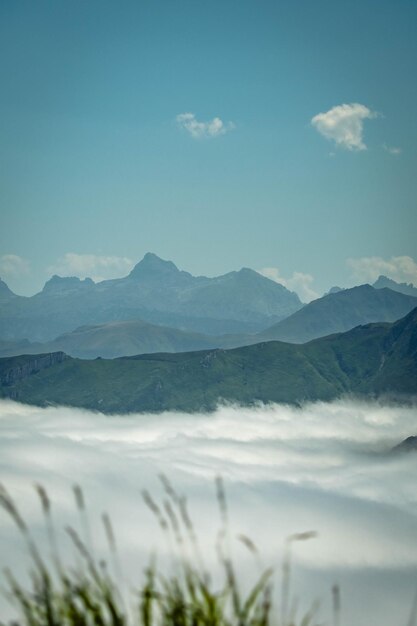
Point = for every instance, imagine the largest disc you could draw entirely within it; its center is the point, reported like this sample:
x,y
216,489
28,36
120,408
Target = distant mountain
x,y
13,347
334,289
115,339
408,445
407,288
371,360
6,294
338,312
155,291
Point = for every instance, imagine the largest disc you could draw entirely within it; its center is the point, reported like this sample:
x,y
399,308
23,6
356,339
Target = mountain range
x,y
159,308
155,291
370,360
338,311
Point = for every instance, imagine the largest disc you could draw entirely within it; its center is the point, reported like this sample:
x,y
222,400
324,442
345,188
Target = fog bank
x,y
326,467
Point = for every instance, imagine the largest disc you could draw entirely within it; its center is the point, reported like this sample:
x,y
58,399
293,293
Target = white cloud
x,y
402,269
91,265
199,130
299,282
395,151
13,265
343,124
319,467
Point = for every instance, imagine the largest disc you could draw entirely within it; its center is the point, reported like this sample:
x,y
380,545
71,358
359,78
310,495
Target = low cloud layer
x,y
402,269
343,124
200,130
92,266
324,467
299,282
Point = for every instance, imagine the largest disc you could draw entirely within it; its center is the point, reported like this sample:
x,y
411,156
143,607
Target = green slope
x,y
339,312
377,358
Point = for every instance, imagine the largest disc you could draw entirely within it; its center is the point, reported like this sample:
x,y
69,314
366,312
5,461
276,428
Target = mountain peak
x,y
334,289
150,265
408,445
407,288
66,283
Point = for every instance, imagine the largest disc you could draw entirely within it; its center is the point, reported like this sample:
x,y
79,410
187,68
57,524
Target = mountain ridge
x,y
5,292
369,361
338,312
359,305
155,291
406,288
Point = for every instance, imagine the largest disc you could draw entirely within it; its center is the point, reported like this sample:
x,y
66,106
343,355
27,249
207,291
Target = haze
x,y
323,467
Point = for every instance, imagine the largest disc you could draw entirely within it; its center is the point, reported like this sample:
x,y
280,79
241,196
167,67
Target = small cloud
x,y
343,124
12,265
399,268
395,151
299,282
92,266
199,130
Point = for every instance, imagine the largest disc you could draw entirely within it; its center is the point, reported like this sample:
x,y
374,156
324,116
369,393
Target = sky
x,y
322,468
278,135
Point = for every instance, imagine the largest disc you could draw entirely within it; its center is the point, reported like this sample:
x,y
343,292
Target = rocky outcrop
x,y
39,362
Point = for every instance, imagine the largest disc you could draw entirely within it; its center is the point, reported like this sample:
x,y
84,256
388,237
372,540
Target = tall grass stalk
x,y
90,594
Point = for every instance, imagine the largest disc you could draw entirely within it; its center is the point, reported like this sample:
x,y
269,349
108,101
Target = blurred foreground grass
x,y
91,593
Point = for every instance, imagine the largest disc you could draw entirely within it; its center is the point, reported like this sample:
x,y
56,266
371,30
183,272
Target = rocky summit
x,y
155,291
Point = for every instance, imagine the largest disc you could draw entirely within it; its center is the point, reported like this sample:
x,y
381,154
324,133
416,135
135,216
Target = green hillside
x,y
372,359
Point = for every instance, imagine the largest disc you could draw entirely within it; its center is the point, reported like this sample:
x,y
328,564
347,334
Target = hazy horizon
x,y
401,270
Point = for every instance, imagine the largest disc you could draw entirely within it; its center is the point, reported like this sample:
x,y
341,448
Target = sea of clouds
x,y
326,467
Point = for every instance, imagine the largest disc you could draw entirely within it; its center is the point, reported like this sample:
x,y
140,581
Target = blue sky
x,y
96,167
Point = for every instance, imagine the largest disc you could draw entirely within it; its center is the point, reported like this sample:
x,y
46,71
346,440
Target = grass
x,y
89,594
